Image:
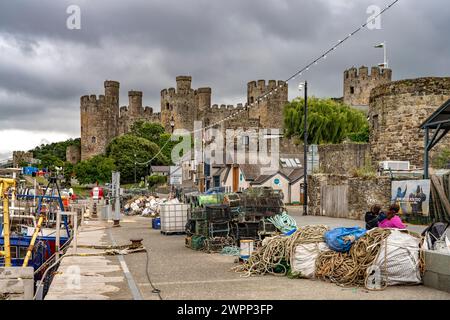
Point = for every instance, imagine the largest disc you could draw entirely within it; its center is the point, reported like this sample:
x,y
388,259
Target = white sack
x,y
402,265
304,259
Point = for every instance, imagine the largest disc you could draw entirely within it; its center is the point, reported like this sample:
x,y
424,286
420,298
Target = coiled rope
x,y
273,257
349,269
283,222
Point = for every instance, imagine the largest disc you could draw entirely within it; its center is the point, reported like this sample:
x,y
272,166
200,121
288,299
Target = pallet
x,y
173,233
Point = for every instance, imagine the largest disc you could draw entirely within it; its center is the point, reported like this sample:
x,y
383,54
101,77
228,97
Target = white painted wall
x,y
295,191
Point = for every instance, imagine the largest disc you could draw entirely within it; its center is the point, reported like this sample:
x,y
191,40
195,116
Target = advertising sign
x,y
412,196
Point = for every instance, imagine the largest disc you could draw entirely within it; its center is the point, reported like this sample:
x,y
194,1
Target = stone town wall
x,y
362,193
397,110
343,158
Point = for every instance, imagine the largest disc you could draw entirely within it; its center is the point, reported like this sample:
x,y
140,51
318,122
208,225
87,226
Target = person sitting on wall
x,y
392,219
374,216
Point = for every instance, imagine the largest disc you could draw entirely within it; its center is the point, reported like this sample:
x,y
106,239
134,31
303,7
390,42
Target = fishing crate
x,y
247,230
218,212
190,227
219,229
202,228
198,214
216,244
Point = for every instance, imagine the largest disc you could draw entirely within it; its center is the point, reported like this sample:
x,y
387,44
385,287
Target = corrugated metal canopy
x,y
439,119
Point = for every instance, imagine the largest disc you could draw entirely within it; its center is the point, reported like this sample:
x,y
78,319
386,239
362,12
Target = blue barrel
x,y
156,223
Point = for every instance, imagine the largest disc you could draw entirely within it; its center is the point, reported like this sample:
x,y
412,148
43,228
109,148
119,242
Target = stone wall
x,y
396,112
16,283
73,154
290,146
343,158
362,193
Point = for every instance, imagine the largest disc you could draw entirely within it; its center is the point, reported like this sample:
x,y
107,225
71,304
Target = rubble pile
x,y
146,206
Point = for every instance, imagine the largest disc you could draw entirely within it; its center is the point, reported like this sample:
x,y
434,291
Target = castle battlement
x,y
92,101
133,93
358,83
363,73
262,86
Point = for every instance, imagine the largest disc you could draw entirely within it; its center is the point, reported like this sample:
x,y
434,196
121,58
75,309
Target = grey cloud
x,y
222,44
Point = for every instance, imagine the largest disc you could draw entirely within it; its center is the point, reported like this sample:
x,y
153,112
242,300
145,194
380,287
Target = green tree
x,y
148,130
328,121
97,169
155,132
56,149
123,150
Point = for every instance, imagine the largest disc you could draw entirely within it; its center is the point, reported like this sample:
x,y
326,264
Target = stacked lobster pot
x,y
225,219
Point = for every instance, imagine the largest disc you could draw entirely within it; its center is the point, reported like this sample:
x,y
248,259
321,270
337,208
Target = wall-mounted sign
x,y
277,181
412,196
176,175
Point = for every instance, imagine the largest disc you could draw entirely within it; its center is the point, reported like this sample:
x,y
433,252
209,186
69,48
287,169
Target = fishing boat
x,y
28,238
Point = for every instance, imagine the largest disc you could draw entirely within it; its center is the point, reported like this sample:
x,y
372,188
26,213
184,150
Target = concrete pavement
x,y
181,273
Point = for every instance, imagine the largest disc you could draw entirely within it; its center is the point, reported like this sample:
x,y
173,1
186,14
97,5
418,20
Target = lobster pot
x,y
246,249
174,217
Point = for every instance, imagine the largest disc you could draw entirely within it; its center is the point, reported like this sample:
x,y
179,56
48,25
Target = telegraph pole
x,y
304,85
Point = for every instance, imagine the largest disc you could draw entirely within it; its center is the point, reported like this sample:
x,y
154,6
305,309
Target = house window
x,y
93,139
352,90
167,106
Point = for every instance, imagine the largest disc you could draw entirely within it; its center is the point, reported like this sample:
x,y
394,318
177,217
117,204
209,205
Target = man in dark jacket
x,y
374,216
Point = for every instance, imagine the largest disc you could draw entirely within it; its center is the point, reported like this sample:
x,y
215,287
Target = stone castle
x,y
102,119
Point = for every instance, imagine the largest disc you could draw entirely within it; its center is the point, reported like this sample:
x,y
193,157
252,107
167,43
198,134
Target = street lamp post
x,y
172,123
385,64
304,85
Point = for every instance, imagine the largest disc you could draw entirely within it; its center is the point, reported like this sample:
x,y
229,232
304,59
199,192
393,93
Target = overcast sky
x,y
145,44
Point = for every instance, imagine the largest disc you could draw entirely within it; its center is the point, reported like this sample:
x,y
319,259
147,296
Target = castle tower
x,y
135,102
359,83
183,84
269,110
180,105
203,98
99,118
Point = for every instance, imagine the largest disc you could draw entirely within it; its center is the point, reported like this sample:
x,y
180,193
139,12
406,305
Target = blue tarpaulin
x,y
341,239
